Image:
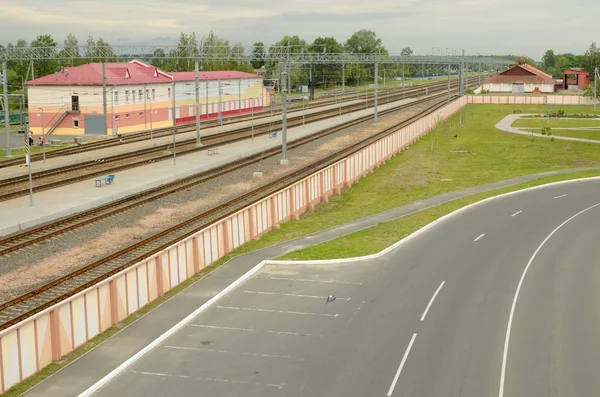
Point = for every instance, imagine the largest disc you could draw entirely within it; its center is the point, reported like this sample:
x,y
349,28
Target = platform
x,y
52,204
91,155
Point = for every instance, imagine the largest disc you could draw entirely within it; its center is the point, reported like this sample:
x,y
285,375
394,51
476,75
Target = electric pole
x,y
284,159
197,81
6,111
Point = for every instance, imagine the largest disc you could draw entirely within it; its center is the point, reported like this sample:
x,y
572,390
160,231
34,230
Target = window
x,y
141,114
75,123
116,96
141,95
116,117
126,96
127,116
168,93
153,94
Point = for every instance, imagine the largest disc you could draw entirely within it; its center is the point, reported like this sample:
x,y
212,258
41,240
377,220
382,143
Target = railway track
x,y
45,296
42,233
43,180
184,128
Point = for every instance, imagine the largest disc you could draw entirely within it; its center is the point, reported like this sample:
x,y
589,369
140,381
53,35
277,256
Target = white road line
x,y
432,299
310,280
516,213
357,310
276,311
294,295
514,303
412,340
480,237
209,379
557,197
198,349
254,330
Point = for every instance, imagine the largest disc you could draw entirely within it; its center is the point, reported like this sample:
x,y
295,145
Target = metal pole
x,y
197,82
375,91
28,159
151,129
403,81
302,111
253,120
21,99
44,137
284,159
220,105
343,78
6,111
174,126
240,96
448,82
104,105
145,111
595,87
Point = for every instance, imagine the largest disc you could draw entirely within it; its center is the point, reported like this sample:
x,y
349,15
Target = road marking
x,y
412,340
310,280
112,374
294,295
557,197
276,311
253,330
357,310
480,237
198,349
431,301
209,379
516,213
514,303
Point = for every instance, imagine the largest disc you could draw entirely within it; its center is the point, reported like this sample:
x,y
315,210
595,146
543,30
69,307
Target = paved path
x,y
83,373
505,125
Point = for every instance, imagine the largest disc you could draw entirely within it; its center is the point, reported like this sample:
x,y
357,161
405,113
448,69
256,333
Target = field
x,y
556,123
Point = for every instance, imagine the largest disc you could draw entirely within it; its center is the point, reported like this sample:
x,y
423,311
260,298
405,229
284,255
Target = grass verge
x,y
437,164
584,134
554,123
33,150
377,238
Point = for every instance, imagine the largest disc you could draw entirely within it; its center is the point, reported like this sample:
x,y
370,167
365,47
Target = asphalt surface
x,y
295,346
275,335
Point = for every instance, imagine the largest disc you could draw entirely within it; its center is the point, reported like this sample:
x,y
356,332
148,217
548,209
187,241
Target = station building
x,y
139,96
520,79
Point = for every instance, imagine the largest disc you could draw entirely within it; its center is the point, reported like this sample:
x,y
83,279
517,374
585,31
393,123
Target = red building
x,y
520,79
580,80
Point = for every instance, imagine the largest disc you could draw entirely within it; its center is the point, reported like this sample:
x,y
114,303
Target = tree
x,y
588,90
549,59
592,56
326,73
99,51
212,46
295,45
46,46
364,41
70,55
258,55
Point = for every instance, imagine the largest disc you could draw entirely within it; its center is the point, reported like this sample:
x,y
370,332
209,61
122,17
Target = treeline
x,y
72,53
554,64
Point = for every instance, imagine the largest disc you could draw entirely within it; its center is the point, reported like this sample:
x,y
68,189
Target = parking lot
x,y
268,337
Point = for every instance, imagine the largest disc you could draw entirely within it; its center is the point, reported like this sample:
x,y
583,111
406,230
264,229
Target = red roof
x,y
576,71
134,72
221,75
528,75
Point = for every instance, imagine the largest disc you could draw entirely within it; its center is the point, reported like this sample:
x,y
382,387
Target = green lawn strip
x,y
482,154
585,134
377,238
33,150
555,123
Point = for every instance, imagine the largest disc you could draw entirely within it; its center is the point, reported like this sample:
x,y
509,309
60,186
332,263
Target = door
x,y
75,103
93,125
518,88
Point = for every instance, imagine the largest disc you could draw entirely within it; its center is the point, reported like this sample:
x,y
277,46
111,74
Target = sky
x,y
477,26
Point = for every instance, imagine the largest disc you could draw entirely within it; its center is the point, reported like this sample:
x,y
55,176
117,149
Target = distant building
x,y
520,79
138,95
582,78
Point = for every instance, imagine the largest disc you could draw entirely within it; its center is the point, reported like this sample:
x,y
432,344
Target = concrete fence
x,y
529,100
29,346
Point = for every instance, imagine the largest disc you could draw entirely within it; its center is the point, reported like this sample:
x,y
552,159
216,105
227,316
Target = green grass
x,y
585,134
377,238
479,155
555,123
33,150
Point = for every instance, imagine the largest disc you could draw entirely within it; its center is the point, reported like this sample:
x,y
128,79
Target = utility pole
x,y
375,91
343,78
197,82
220,104
461,74
174,126
104,105
448,82
6,111
596,76
284,159
240,96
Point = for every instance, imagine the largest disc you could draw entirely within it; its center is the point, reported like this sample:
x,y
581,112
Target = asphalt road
x,y
429,319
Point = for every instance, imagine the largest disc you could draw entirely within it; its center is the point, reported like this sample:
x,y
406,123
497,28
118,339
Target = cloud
x,y
489,26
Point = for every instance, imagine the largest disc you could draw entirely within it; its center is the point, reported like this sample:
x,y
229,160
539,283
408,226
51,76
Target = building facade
x,y
138,96
520,79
